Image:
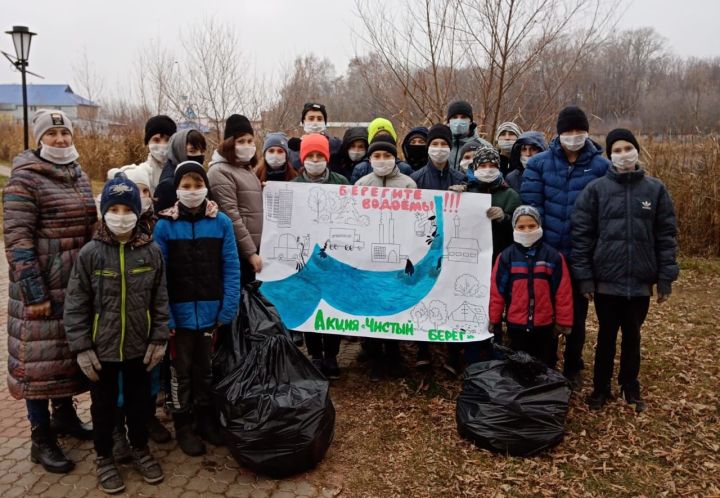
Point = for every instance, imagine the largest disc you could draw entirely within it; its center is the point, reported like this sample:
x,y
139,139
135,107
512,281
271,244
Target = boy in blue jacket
x,y
203,280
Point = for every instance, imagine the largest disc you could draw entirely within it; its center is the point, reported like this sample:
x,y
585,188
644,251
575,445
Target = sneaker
x,y
148,467
331,369
109,479
632,397
597,399
157,431
121,447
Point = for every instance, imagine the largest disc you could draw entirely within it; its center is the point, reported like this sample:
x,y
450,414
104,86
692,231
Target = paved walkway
x,y
215,474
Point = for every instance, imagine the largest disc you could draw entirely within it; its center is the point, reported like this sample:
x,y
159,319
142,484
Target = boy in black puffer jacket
x,y
624,242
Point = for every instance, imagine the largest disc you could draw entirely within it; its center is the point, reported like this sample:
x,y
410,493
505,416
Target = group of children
x,y
163,273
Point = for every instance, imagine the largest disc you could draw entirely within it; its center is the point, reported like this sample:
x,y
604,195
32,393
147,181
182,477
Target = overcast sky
x,y
272,32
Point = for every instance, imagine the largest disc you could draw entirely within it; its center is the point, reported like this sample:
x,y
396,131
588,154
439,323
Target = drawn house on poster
x,y
288,247
386,252
278,207
460,249
468,317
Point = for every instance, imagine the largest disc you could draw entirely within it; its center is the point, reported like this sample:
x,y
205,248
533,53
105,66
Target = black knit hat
x,y
572,118
383,142
439,131
159,124
236,125
312,106
620,134
459,107
190,167
120,190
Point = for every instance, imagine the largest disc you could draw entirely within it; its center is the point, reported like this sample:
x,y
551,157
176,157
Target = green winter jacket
x,y
503,197
333,179
117,300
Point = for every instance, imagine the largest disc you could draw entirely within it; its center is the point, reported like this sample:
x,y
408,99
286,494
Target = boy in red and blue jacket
x,y
531,286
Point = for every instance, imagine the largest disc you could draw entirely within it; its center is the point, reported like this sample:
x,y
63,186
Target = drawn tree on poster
x,y
467,285
419,314
317,200
437,312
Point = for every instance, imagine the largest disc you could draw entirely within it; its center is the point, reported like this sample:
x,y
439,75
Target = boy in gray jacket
x,y
116,321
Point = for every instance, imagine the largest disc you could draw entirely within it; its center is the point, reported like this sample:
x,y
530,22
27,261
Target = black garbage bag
x,y
275,407
515,406
255,309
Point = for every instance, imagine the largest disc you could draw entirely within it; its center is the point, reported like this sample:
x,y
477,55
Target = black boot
x,y
632,396
597,399
46,451
207,426
186,438
65,422
157,431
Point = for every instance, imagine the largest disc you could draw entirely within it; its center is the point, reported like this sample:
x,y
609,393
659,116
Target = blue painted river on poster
x,y
352,290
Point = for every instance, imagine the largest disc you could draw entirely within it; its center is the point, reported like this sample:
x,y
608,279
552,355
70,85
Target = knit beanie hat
x,y
159,124
382,143
190,167
485,155
620,134
470,146
314,142
507,126
236,125
120,190
137,175
380,124
278,139
572,118
312,106
44,119
439,131
526,211
459,107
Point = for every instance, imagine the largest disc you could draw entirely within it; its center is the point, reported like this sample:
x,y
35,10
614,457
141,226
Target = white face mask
x,y
59,155
244,152
527,239
356,155
120,224
192,198
146,203
625,162
315,168
524,160
439,155
159,152
465,163
487,175
573,142
459,127
314,126
275,161
505,145
382,167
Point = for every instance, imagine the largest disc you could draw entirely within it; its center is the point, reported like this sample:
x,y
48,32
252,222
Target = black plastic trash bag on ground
x,y
275,406
515,406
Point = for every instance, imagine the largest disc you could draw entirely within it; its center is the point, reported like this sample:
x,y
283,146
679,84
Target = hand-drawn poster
x,y
388,263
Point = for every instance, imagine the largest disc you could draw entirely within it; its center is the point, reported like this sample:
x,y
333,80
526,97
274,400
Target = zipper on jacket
x,y
531,291
123,292
628,217
95,326
197,320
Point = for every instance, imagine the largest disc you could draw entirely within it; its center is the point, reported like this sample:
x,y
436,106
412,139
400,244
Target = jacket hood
x,y
30,161
418,130
177,151
217,159
535,138
139,238
587,153
352,134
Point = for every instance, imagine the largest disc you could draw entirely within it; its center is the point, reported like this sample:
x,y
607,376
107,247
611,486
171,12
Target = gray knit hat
x,y
278,139
526,211
44,119
507,126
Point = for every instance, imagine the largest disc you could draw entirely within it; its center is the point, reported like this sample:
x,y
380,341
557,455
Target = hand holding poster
x,y
377,262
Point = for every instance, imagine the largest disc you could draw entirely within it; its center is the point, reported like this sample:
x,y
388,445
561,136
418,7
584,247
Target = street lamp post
x,y
22,37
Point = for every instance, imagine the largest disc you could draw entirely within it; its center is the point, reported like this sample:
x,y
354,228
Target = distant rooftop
x,y
40,95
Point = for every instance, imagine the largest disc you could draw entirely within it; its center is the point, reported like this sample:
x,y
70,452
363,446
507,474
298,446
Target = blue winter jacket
x,y
203,267
552,184
430,178
363,168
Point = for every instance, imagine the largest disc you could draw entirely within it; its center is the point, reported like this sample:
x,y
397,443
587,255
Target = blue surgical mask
x,y
460,126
